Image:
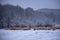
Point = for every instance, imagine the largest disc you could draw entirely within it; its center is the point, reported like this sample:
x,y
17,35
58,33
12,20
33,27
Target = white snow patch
x,y
29,35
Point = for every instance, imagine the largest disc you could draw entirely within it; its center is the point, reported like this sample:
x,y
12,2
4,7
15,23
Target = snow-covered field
x,y
29,34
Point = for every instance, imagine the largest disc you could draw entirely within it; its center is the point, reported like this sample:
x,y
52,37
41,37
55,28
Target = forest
x,y
16,16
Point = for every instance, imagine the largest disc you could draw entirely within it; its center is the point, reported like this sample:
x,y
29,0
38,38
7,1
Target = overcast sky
x,y
35,4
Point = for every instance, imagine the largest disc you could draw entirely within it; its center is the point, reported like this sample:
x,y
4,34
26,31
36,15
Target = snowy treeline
x,y
16,16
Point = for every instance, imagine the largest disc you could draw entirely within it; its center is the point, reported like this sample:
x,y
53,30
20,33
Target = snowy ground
x,y
29,34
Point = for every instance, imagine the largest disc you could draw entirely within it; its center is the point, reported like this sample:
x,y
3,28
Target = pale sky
x,y
35,4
